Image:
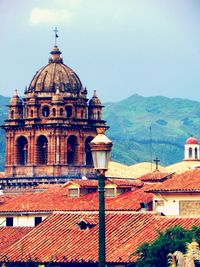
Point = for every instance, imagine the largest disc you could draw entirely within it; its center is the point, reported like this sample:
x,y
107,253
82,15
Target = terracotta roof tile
x,y
155,176
82,183
125,182
56,199
94,183
59,237
9,235
46,186
188,181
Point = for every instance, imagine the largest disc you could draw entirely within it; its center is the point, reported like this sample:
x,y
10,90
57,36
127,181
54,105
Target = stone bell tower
x,y
49,131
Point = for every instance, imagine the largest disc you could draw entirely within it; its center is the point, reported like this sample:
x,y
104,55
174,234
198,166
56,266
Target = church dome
x,y
15,100
192,141
94,101
55,75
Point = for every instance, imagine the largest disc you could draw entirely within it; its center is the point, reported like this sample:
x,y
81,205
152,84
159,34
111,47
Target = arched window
x,y
88,154
42,150
12,114
98,115
21,150
190,152
45,111
72,150
196,153
54,112
68,111
91,114
31,113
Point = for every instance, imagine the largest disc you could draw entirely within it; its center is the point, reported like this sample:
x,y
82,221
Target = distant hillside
x,y
172,121
4,101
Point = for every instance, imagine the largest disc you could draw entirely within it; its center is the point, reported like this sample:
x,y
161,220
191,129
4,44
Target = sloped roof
x,y
46,186
9,235
125,182
57,199
82,183
185,182
155,176
60,239
94,183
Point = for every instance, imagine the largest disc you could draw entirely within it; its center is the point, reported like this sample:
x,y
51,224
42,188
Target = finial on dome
x,y
94,101
15,100
55,55
95,93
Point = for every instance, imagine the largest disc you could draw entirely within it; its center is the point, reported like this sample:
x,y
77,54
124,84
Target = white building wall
x,y
193,155
171,202
22,220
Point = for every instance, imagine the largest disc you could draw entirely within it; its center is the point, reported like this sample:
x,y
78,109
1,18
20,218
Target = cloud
x,y
49,16
68,3
57,12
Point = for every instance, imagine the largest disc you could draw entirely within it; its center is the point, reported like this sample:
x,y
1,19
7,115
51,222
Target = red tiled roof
x,y
82,183
4,199
185,182
60,239
155,176
9,235
125,182
94,183
56,199
46,186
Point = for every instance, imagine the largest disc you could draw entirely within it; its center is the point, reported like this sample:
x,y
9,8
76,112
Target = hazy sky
x,y
118,47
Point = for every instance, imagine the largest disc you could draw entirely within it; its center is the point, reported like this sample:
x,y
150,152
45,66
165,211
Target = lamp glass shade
x,y
101,159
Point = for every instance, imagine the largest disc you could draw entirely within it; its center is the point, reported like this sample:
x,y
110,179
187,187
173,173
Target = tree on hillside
x,y
155,254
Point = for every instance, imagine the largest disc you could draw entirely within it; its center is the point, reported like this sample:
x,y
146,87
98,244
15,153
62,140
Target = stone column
x,y
13,150
53,148
34,150
62,148
82,149
57,149
50,148
7,149
29,161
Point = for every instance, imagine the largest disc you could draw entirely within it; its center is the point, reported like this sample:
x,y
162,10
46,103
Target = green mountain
x,y
4,101
141,128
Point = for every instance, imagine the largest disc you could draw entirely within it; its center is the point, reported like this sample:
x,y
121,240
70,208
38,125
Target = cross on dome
x,y
56,35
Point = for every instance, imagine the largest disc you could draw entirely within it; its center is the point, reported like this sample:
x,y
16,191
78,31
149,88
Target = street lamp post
x,y
101,148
